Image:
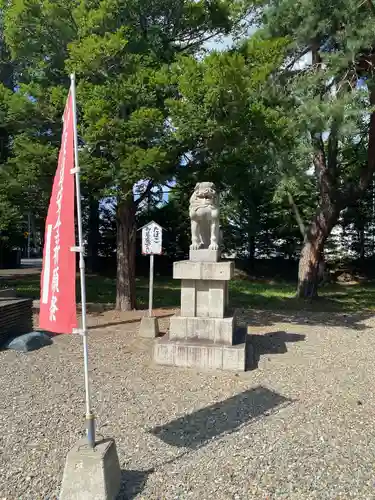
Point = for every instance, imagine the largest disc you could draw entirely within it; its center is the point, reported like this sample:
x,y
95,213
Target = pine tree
x,y
332,99
118,50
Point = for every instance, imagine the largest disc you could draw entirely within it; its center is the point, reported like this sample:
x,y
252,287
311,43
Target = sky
x,y
217,43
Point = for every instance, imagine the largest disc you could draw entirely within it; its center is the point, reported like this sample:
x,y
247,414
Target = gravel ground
x,y
301,426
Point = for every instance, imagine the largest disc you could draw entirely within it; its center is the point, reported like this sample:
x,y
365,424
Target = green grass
x,y
243,293
281,295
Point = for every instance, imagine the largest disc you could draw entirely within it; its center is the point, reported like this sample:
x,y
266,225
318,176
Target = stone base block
x,y
216,330
188,270
149,327
200,354
204,298
16,317
204,255
91,474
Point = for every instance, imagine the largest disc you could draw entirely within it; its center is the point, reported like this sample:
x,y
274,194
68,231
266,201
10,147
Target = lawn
x,y
243,293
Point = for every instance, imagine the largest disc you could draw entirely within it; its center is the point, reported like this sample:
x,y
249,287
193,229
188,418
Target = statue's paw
x,y
194,246
213,246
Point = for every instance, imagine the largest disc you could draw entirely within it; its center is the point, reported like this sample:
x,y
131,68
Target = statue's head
x,y
205,190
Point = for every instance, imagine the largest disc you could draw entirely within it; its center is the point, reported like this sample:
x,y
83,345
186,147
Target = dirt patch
x,y
112,318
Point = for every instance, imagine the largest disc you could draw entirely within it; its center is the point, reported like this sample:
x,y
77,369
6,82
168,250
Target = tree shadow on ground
x,y
271,343
259,318
127,321
201,427
339,306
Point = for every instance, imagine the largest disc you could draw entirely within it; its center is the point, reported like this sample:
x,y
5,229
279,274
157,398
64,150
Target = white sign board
x,y
152,239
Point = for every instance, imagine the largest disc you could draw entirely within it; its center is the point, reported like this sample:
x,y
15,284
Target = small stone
x,y
29,342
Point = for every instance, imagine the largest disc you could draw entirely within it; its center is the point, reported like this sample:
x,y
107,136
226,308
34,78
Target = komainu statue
x,y
204,215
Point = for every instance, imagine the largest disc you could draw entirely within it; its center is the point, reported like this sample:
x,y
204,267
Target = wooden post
x,y
151,285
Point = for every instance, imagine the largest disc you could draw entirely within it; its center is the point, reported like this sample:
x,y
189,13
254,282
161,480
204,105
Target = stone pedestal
x,y
91,474
205,334
149,327
204,255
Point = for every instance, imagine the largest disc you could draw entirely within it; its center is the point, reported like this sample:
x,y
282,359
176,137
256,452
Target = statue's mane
x,y
196,202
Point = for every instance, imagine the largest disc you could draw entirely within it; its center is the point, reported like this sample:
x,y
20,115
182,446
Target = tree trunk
x,y
308,272
4,145
311,262
93,235
36,236
332,198
126,241
362,243
251,258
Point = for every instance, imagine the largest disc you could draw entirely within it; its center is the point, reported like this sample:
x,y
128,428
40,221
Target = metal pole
x,y
90,419
151,286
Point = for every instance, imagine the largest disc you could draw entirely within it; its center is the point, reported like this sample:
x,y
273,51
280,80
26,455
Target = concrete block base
x,y
149,327
219,330
204,255
204,298
91,474
201,354
189,270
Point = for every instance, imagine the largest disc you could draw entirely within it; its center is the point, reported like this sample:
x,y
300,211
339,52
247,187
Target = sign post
x,y
151,285
28,234
152,238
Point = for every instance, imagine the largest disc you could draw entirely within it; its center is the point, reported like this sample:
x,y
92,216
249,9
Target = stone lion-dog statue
x,y
204,216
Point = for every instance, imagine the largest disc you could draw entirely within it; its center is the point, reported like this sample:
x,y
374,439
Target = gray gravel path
x,y
301,426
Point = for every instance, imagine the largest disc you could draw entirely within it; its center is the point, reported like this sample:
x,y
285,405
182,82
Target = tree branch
x,y
297,215
145,194
305,51
198,41
355,190
332,148
371,6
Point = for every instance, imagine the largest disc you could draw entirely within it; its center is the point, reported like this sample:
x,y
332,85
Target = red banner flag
x,y
58,311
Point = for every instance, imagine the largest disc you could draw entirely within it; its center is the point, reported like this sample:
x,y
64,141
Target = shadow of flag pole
x,y
90,419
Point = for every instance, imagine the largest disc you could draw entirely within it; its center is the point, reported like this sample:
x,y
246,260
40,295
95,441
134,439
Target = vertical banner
x,y
58,312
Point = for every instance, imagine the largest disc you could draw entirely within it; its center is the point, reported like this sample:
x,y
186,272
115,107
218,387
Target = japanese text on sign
x,y
152,239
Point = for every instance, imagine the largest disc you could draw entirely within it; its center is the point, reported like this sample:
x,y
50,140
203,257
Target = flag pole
x,y
90,419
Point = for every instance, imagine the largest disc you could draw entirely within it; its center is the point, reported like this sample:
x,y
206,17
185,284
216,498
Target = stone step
x,y
202,354
189,270
211,329
217,330
204,255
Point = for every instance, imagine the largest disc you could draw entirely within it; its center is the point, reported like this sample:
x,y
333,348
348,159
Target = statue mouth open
x,y
206,196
